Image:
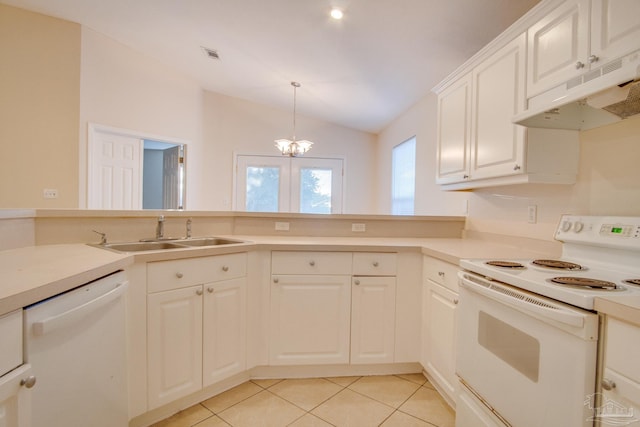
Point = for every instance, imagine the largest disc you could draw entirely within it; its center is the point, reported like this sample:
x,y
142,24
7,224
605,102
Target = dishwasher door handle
x,y
59,320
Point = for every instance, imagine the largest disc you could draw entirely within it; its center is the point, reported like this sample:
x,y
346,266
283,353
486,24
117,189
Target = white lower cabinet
x,y
224,330
196,333
440,299
310,318
174,344
15,402
332,308
373,313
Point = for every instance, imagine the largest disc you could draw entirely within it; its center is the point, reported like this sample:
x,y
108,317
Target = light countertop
x,y
625,308
35,273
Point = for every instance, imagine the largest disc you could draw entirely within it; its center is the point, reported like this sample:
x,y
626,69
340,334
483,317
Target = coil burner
x,y
506,264
557,264
585,282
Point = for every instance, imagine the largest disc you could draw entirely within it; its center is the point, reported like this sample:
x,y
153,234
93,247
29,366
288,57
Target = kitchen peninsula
x,y
50,255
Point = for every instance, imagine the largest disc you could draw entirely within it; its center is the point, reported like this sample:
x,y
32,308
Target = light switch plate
x,y
282,226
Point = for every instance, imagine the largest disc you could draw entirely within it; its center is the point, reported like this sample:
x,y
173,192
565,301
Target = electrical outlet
x,y
282,226
532,214
358,227
50,193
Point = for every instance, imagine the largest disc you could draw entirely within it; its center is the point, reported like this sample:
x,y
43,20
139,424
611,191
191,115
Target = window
x,y
288,184
403,173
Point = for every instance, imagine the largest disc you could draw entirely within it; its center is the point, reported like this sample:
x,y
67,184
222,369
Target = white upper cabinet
x,y
454,124
577,36
497,145
558,46
615,28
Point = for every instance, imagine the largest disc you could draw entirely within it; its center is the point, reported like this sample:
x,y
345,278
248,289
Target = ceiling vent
x,y
211,53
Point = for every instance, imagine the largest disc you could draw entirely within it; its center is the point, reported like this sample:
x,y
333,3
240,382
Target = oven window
x,y
519,350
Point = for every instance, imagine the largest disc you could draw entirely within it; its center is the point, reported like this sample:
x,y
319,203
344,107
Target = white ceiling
x,y
361,72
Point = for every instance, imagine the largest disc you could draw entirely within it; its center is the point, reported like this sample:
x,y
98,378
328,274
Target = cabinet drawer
x,y
441,272
283,262
374,264
11,338
180,273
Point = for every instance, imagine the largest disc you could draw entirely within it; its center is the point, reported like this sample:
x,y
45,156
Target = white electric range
x,y
600,256
528,338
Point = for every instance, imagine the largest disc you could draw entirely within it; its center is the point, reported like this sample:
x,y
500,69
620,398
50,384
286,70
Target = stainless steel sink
x,y
166,245
140,246
207,241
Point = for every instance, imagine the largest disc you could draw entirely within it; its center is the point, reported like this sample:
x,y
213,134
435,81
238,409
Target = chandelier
x,y
291,147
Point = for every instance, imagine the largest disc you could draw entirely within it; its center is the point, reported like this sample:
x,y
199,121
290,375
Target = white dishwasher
x,y
76,345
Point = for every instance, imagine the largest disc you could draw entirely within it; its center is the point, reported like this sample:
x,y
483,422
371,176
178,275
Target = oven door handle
x,y
521,301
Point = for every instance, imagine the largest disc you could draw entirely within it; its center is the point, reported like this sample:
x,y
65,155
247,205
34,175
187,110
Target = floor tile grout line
x,y
309,412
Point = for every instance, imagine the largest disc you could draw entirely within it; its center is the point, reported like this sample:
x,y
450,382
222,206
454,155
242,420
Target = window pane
x,y
262,189
315,191
404,178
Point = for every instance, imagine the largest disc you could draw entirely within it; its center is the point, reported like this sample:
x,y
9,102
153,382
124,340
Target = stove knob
x,y
578,226
566,226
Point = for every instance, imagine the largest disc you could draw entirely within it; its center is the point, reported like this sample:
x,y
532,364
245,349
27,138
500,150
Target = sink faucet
x,y
189,228
160,227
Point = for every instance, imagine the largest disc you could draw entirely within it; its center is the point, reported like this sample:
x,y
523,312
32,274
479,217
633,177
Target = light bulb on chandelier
x,y
291,147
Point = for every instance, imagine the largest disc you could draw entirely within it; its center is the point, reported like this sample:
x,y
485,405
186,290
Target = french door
x,y
288,184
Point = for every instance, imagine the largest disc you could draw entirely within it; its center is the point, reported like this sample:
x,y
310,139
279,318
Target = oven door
x,y
531,360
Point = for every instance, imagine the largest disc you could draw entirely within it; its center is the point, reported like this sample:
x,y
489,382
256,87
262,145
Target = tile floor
x,y
388,401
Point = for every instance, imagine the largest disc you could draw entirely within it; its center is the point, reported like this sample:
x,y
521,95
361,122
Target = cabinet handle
x,y
465,176
593,58
276,280
28,382
608,384
455,301
357,282
579,65
516,168
375,263
179,275
199,292
210,289
441,273
225,268
312,263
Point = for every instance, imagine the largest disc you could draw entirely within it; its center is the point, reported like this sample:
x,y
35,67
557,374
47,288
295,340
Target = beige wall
x,y
232,125
419,121
125,89
65,77
39,109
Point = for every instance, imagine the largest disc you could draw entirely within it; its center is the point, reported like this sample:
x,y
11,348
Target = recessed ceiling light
x,y
336,13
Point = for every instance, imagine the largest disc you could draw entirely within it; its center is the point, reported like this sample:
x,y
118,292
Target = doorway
x,y
128,170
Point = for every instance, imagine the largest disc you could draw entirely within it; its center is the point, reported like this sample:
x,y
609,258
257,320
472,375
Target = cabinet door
x,y
440,323
558,46
454,121
615,28
174,344
15,402
224,329
373,314
310,319
497,145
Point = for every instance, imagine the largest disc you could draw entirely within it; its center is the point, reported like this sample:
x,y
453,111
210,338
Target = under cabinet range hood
x,y
599,97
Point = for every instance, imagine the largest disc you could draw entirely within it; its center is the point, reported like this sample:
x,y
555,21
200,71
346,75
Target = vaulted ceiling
x,y
360,72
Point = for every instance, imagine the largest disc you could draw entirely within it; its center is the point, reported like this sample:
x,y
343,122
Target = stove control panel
x,y
610,231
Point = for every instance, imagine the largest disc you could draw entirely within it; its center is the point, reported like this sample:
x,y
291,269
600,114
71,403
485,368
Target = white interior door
x,y
115,171
171,193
